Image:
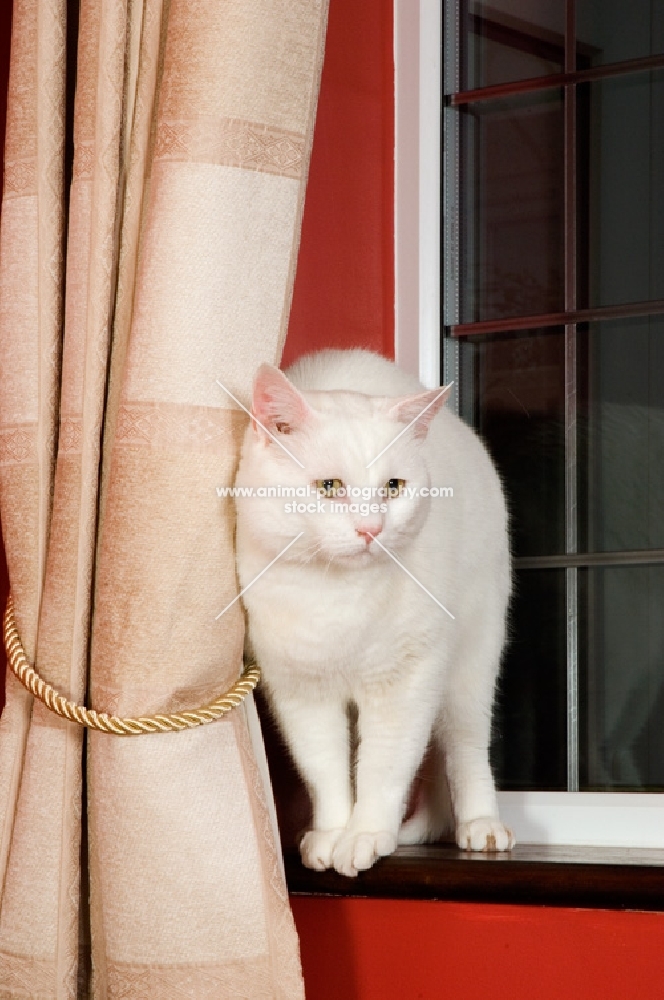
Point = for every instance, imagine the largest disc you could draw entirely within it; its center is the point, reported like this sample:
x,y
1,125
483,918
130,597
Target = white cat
x,y
359,608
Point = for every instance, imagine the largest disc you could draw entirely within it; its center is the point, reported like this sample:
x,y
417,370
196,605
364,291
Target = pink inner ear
x,y
276,403
420,409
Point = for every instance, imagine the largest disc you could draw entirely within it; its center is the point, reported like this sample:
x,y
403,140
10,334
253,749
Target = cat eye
x,y
328,487
394,487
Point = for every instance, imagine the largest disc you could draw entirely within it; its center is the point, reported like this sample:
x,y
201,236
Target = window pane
x,y
530,745
512,391
580,447
622,697
624,479
507,41
612,30
511,203
625,214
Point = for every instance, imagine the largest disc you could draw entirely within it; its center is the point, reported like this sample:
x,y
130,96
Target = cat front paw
x,y
317,846
355,852
486,833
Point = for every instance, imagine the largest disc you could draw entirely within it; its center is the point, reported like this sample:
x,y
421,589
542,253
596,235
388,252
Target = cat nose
x,y
369,531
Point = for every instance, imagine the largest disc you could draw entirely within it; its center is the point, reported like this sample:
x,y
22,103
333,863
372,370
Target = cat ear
x,y
276,404
419,410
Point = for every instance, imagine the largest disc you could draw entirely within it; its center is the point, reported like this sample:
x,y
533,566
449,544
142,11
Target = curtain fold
x,y
192,135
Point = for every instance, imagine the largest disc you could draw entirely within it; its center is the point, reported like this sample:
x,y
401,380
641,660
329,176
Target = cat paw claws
x,y
356,852
316,848
486,833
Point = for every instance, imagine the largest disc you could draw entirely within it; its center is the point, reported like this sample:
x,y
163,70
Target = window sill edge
x,y
540,875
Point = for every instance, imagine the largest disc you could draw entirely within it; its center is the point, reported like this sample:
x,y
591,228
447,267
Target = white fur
x,y
336,621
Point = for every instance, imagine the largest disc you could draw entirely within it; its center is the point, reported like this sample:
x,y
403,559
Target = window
x,y
553,305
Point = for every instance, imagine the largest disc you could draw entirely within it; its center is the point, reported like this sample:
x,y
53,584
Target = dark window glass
x,y
622,689
507,41
624,431
512,184
529,750
610,31
517,402
625,218
554,208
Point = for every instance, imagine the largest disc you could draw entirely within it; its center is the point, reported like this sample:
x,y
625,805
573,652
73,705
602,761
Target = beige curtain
x,y
174,269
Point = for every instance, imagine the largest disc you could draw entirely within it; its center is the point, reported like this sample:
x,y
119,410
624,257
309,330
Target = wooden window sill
x,y
599,877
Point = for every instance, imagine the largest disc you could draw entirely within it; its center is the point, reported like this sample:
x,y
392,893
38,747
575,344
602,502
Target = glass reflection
x,y
517,402
624,480
622,694
512,184
530,745
509,40
625,210
612,30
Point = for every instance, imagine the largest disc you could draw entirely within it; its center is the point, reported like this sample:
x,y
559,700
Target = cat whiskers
x,y
329,563
311,551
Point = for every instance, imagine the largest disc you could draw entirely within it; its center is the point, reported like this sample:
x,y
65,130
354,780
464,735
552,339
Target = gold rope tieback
x,y
57,703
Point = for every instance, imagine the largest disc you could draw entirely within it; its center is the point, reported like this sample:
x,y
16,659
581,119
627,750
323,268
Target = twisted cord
x,y
167,723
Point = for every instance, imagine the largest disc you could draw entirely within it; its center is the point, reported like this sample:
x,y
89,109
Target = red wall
x,y
362,949
344,286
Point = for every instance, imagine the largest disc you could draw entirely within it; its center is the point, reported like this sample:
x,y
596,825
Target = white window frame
x,y
610,819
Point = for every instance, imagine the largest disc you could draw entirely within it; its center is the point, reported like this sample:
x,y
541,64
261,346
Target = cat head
x,y
344,468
